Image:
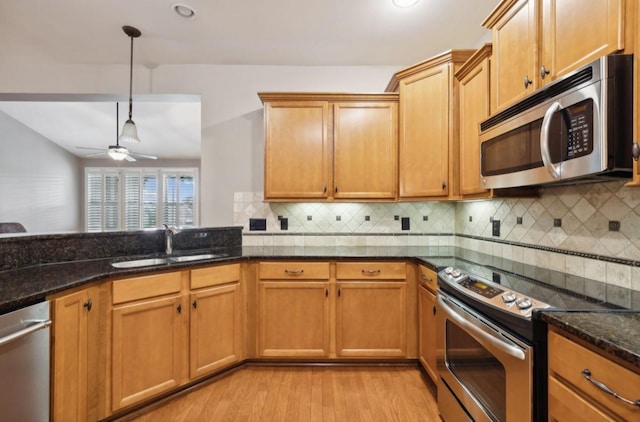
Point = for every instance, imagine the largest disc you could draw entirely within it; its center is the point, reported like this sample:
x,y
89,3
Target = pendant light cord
x,y
131,80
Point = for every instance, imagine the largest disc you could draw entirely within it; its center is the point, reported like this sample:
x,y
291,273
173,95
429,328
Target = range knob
x,y
524,303
448,270
508,297
456,272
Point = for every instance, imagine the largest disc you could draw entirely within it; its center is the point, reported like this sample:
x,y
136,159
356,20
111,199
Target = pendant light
x,y
116,151
129,131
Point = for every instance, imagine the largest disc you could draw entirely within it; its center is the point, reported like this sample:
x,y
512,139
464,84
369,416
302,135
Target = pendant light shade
x,y
129,130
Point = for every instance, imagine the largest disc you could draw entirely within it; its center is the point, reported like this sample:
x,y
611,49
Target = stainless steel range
x,y
491,359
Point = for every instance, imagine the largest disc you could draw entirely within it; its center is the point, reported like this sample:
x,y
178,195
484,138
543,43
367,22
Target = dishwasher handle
x,y
37,325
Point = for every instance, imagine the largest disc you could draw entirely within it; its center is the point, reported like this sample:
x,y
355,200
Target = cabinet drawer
x,y
371,270
428,278
136,288
566,405
294,270
568,359
213,276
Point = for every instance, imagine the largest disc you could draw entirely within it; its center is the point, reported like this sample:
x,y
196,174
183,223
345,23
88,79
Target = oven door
x,y
487,370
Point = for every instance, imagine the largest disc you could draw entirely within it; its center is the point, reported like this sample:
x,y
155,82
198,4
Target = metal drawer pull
x,y
294,272
424,277
371,272
587,374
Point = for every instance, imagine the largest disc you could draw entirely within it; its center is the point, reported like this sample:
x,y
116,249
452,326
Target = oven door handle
x,y
500,342
552,169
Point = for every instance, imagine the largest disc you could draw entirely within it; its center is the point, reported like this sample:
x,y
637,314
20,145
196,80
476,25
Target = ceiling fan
x,y
117,151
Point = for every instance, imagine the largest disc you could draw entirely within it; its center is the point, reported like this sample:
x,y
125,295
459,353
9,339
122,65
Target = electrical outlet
x,y
495,227
257,224
405,223
284,223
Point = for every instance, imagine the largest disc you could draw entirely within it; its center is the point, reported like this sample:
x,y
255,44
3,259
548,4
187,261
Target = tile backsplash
x,y
591,230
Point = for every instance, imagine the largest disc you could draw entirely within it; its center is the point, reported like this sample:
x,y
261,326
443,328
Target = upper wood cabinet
x,y
474,79
330,146
428,126
537,41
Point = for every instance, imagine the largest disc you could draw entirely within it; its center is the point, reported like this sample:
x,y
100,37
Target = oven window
x,y
477,370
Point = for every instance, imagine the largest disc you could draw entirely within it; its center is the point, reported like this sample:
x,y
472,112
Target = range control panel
x,y
491,293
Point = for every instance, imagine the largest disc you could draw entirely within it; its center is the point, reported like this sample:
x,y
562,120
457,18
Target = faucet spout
x,y
169,232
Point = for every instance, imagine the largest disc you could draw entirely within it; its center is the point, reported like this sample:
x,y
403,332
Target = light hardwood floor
x,y
262,393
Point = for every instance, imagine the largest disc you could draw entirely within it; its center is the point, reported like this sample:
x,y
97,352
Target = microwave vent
x,y
562,86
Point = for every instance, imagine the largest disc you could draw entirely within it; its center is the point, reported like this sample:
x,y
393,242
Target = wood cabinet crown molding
x,y
476,59
328,96
498,12
450,56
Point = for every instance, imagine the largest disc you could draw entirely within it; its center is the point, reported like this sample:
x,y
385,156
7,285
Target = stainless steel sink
x,y
187,258
135,263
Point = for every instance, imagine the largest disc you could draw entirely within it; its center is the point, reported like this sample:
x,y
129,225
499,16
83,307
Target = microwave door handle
x,y
499,343
553,170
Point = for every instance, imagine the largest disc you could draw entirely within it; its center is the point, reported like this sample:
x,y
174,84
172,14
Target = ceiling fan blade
x,y
129,158
137,154
94,154
94,149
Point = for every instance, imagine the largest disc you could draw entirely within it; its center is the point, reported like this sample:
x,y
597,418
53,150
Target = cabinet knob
x,y
88,305
527,82
179,308
444,185
434,310
326,292
635,151
425,278
543,72
371,272
195,304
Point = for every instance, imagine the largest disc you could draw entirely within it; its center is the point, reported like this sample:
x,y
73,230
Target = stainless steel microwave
x,y
577,128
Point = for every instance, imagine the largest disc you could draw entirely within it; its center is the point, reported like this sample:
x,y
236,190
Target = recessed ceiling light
x,y
405,3
184,11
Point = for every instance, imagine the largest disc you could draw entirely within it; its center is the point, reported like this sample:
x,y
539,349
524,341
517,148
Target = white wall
x,y
232,128
40,183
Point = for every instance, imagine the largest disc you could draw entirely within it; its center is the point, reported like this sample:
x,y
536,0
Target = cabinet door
x,y
474,108
216,332
365,150
147,349
71,356
574,35
427,331
514,47
293,319
371,319
424,133
297,150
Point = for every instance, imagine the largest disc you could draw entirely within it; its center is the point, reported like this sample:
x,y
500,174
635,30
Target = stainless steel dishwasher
x,y
24,364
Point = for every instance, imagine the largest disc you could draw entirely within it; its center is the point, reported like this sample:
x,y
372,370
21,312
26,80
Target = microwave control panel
x,y
578,123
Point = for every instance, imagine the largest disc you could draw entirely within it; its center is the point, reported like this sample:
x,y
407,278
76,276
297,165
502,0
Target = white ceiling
x,y
250,32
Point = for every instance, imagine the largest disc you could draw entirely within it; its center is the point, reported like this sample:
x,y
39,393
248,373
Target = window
x,y
135,199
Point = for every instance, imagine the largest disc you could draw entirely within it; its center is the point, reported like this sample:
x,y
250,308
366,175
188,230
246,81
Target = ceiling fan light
x,y
404,3
118,153
129,133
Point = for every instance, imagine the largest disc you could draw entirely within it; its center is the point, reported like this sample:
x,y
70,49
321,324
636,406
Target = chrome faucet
x,y
168,238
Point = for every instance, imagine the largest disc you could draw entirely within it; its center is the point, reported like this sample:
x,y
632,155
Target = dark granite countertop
x,y
614,332
25,286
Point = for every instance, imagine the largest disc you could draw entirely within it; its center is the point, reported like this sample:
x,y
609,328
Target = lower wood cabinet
x,y
573,397
215,319
305,311
148,336
371,319
293,309
171,328
75,341
427,287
